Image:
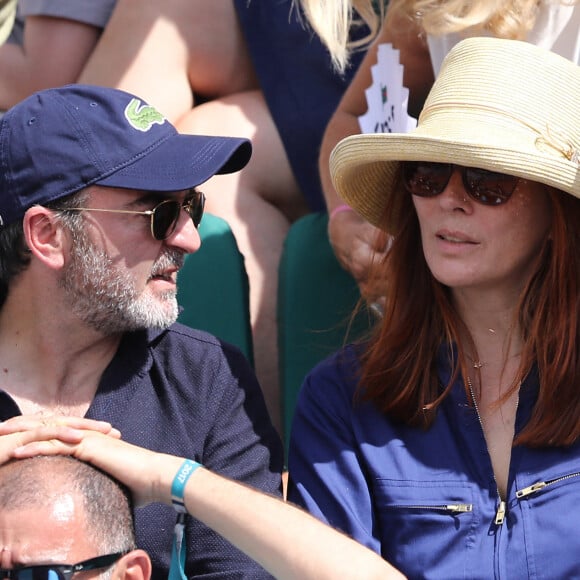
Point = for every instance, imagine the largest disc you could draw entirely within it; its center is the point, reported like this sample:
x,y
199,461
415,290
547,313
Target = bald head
x,y
44,481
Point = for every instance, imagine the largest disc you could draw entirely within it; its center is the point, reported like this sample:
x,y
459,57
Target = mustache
x,y
169,260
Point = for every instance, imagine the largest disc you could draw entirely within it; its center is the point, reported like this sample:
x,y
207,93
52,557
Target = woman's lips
x,y
454,237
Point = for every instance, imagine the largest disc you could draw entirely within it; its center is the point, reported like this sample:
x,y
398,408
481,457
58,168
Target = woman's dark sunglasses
x,y
60,571
427,179
164,216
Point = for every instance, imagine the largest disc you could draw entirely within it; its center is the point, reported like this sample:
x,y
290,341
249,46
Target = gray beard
x,y
104,296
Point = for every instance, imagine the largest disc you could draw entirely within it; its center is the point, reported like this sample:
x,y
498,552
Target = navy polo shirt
x,y
184,392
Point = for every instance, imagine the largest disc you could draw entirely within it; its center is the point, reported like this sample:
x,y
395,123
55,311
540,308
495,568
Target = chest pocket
x,y
427,526
549,510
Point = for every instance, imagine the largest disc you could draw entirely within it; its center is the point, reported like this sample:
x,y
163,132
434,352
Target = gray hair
x,y
106,503
15,255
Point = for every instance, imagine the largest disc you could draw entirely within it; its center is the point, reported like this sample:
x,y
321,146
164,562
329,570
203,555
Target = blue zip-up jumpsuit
x,y
427,501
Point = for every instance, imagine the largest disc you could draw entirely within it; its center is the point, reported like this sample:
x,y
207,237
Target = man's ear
x,y
45,236
135,565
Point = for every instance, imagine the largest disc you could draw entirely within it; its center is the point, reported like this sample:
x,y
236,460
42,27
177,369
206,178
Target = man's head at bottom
x,y
60,518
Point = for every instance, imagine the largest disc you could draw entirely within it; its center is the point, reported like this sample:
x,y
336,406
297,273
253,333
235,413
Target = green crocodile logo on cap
x,y
142,117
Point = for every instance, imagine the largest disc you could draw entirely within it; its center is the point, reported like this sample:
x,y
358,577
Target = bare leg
x,y
164,52
259,203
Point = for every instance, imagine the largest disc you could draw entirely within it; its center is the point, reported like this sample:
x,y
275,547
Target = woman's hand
x,y
356,245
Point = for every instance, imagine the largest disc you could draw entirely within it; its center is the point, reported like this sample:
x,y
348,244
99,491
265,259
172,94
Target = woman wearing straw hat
x,y
449,442
423,31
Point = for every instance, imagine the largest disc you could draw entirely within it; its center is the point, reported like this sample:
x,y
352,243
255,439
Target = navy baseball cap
x,y
59,141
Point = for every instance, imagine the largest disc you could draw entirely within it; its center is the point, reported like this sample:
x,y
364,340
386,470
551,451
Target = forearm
x,y
288,542
343,124
406,37
285,540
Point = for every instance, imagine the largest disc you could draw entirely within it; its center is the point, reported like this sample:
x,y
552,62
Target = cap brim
x,y
182,162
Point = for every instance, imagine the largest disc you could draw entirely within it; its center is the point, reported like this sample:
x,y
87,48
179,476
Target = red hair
x,y
399,371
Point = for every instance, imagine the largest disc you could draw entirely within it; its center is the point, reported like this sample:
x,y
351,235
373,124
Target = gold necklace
x,y
477,364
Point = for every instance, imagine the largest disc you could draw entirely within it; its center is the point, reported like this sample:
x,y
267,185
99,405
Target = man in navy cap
x,y
98,207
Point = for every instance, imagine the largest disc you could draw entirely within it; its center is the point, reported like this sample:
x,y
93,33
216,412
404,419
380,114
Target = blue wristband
x,y
179,481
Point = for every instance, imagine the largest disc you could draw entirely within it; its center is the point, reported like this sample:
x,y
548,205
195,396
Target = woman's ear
x,y
135,565
45,236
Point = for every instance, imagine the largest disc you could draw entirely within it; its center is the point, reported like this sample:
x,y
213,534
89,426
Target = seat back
x,y
316,300
213,287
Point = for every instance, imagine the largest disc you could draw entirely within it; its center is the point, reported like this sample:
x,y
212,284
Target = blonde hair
x,y
333,21
502,18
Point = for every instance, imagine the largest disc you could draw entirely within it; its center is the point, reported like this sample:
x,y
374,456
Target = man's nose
x,y
185,236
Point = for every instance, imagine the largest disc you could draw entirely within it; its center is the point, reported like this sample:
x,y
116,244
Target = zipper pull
x,y
530,489
500,514
460,507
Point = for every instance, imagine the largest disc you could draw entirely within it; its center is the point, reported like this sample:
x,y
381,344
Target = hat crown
x,y
541,106
503,105
59,141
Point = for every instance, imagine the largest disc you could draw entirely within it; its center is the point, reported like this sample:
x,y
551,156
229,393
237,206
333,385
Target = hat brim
x,y
181,162
364,167
504,105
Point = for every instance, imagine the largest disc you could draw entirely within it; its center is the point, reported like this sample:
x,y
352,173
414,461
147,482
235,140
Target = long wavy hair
x,y
399,366
332,19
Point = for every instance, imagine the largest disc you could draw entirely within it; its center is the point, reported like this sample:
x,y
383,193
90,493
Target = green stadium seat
x,y
213,287
316,300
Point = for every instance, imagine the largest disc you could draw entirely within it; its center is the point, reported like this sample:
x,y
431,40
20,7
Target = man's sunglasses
x,y
427,179
60,571
164,216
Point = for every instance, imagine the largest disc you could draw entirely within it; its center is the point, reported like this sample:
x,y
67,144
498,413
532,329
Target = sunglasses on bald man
x,y
60,571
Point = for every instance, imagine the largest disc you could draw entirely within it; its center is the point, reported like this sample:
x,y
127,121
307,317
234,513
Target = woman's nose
x,y
454,195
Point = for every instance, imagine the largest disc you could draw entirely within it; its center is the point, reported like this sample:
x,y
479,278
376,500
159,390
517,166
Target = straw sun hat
x,y
503,105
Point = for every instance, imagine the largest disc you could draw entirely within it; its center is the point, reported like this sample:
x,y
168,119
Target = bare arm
x,y
353,239
53,53
285,540
418,78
